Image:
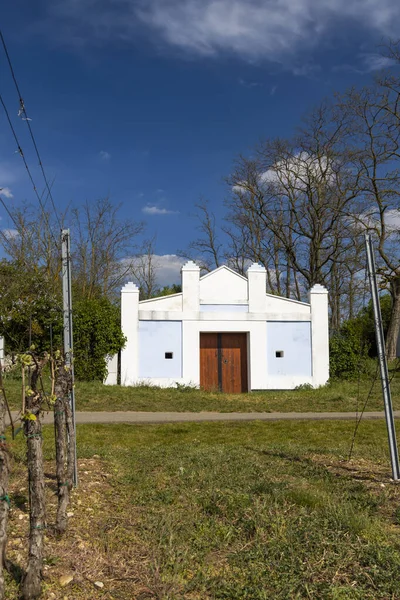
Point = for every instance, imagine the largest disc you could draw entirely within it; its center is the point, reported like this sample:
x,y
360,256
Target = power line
x,y
26,118
21,153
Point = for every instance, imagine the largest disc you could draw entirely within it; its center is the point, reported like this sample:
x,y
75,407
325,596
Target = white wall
x,y
294,341
155,339
223,301
235,308
172,302
223,286
320,334
112,370
129,325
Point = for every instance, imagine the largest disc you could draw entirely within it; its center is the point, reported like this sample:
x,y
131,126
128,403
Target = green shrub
x,y
97,334
348,351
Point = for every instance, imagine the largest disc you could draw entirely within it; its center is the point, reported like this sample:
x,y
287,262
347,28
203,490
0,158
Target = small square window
x,y
169,355
279,354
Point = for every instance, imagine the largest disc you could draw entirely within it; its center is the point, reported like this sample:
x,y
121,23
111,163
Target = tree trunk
x,y
62,483
63,471
31,584
4,474
394,324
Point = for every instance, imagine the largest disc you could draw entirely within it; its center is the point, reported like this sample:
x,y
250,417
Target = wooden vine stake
x,y
32,426
4,475
64,437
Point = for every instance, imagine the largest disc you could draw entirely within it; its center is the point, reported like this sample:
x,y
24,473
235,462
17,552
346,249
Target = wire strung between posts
x,y
358,421
21,153
23,111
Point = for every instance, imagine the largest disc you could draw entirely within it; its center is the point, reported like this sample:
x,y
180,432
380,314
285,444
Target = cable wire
x,y
21,153
23,111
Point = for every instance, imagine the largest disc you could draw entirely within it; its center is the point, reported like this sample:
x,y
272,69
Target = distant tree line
x,y
301,206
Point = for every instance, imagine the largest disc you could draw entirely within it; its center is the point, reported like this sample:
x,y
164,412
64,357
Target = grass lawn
x,y
222,511
339,396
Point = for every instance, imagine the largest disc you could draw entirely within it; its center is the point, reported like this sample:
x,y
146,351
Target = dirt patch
x,y
99,551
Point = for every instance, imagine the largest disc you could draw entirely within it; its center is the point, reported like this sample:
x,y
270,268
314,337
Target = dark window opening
x,y
169,355
279,354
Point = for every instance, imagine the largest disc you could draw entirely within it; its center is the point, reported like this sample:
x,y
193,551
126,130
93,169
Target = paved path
x,y
192,417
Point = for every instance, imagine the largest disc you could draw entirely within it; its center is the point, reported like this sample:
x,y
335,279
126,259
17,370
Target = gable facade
x,y
224,332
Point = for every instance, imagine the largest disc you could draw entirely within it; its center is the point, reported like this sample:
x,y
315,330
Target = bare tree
x,y
207,249
373,117
33,242
102,240
292,200
143,268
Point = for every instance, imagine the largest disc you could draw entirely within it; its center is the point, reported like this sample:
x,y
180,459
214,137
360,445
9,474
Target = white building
x,y
224,332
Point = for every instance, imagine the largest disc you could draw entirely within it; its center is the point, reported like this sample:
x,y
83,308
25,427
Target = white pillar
x,y
257,288
112,370
191,286
130,329
319,334
2,351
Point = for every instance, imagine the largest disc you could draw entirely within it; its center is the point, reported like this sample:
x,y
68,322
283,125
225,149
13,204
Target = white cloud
x,y
276,30
370,219
6,192
248,84
104,155
369,62
156,210
296,171
168,268
256,28
10,233
376,62
392,219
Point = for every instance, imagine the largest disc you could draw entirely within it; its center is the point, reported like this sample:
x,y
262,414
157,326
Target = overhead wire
x,y
27,120
21,153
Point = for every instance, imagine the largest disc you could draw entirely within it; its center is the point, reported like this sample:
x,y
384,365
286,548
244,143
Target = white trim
x,y
288,300
169,315
149,300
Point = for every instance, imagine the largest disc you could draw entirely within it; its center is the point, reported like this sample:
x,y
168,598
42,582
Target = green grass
x,y
245,510
339,396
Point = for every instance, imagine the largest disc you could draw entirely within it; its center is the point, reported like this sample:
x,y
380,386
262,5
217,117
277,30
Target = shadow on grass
x,y
14,570
352,472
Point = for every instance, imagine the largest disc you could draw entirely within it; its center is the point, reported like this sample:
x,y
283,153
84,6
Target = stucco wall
x,y
236,308
155,339
223,301
276,304
172,302
221,284
293,341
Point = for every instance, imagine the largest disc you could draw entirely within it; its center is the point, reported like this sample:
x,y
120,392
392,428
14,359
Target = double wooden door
x,y
223,362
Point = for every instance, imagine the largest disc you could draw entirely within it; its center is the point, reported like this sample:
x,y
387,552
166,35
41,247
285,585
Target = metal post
x,y
380,343
68,334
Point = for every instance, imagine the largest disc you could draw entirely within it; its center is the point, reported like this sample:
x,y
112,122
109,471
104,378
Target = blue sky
x,y
150,101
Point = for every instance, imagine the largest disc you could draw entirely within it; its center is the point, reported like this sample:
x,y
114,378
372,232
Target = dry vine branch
x,y
4,476
32,426
64,438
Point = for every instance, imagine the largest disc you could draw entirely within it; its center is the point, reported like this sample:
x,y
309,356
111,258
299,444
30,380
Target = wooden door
x,y
234,362
223,362
209,362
